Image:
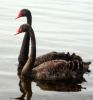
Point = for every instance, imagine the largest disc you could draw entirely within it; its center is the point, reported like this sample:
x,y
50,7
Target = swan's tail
x,y
86,67
79,66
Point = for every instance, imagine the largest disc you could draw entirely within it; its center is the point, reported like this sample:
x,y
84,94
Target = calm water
x,y
60,25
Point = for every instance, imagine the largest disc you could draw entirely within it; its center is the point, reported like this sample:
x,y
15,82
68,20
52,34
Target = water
x,y
60,25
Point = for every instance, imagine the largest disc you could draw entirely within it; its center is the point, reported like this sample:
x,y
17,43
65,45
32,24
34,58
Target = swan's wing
x,y
54,70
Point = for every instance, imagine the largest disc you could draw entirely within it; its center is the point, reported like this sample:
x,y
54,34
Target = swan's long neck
x,y
32,57
29,19
23,56
30,62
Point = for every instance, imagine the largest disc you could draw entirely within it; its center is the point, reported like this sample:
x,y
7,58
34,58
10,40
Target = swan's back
x,y
56,56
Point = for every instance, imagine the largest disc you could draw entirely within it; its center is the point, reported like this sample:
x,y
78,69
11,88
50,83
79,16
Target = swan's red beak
x,y
18,32
19,15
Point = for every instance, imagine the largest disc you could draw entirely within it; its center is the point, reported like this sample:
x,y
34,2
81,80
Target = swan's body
x,y
48,71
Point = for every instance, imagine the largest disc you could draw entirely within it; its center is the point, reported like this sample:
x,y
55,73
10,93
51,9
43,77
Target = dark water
x,y
60,25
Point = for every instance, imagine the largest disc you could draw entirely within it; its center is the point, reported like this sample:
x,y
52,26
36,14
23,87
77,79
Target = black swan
x,y
23,56
53,70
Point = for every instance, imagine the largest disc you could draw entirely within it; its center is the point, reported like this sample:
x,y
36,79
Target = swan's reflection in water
x,y
56,86
59,86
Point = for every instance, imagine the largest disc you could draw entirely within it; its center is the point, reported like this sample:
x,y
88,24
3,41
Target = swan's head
x,y
23,28
23,13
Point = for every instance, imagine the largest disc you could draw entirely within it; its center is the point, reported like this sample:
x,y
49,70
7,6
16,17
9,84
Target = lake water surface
x,y
59,25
